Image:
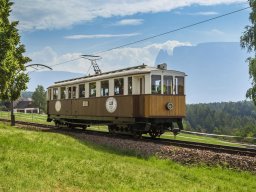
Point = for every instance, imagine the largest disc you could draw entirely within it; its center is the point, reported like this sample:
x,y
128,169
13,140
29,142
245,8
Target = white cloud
x,y
206,13
44,56
100,36
217,32
115,59
201,13
55,14
125,22
214,33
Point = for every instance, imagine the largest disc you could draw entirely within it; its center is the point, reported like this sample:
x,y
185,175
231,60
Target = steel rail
x,y
204,146
186,144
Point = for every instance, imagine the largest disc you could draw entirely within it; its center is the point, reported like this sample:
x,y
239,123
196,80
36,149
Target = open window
x,y
82,91
92,89
119,86
69,92
129,85
156,84
74,92
63,92
104,88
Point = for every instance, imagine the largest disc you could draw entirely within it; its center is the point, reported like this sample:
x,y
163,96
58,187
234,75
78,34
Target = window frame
x,y
90,89
103,89
63,93
49,94
179,88
81,94
165,89
156,92
129,85
120,88
74,90
69,92
55,93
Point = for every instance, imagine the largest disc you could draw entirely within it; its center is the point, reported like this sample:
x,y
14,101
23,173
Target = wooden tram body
x,y
134,100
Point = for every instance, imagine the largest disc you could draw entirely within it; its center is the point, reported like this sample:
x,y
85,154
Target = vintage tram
x,y
135,100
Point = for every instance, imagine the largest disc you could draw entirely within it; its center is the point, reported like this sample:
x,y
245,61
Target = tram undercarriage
x,y
155,127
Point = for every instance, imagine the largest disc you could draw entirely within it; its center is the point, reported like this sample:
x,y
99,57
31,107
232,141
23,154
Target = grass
x,y
29,117
37,161
201,139
39,118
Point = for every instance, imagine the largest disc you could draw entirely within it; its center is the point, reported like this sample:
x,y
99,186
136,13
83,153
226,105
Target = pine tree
x,y
13,78
248,40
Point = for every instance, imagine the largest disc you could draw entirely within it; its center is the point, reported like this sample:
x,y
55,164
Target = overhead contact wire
x,y
161,34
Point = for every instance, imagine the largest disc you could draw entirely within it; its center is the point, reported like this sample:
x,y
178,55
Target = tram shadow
x,y
114,145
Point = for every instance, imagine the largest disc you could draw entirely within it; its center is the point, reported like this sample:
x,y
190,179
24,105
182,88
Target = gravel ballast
x,y
178,154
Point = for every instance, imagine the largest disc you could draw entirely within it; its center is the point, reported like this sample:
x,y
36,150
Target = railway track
x,y
186,144
212,147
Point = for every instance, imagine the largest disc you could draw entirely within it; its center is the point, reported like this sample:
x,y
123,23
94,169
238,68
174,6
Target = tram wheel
x,y
154,133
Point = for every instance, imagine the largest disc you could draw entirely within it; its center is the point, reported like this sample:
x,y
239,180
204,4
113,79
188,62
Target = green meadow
x,y
27,117
40,161
40,118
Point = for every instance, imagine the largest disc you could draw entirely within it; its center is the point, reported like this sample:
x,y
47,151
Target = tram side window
x,y
119,86
55,93
92,89
69,92
156,84
74,92
104,88
129,85
81,90
63,92
168,85
179,85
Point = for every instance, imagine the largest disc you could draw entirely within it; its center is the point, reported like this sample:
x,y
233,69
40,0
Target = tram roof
x,y
136,70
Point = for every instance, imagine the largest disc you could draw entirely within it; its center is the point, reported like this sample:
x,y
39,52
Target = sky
x,y
56,31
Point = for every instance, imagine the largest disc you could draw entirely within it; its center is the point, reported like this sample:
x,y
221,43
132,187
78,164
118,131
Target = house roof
x,y
25,104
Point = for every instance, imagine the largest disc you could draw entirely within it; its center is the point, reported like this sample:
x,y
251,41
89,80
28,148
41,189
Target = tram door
x,y
139,85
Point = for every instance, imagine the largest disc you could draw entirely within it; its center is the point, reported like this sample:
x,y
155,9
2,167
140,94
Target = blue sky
x,y
56,31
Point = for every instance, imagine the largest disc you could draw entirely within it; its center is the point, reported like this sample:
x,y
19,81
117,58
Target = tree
x,y
248,40
39,98
13,78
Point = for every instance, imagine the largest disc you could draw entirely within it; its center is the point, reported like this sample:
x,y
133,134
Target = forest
x,y
229,118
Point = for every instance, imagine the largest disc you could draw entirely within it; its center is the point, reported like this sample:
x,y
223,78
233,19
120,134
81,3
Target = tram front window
x,y
55,93
168,85
179,85
156,84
